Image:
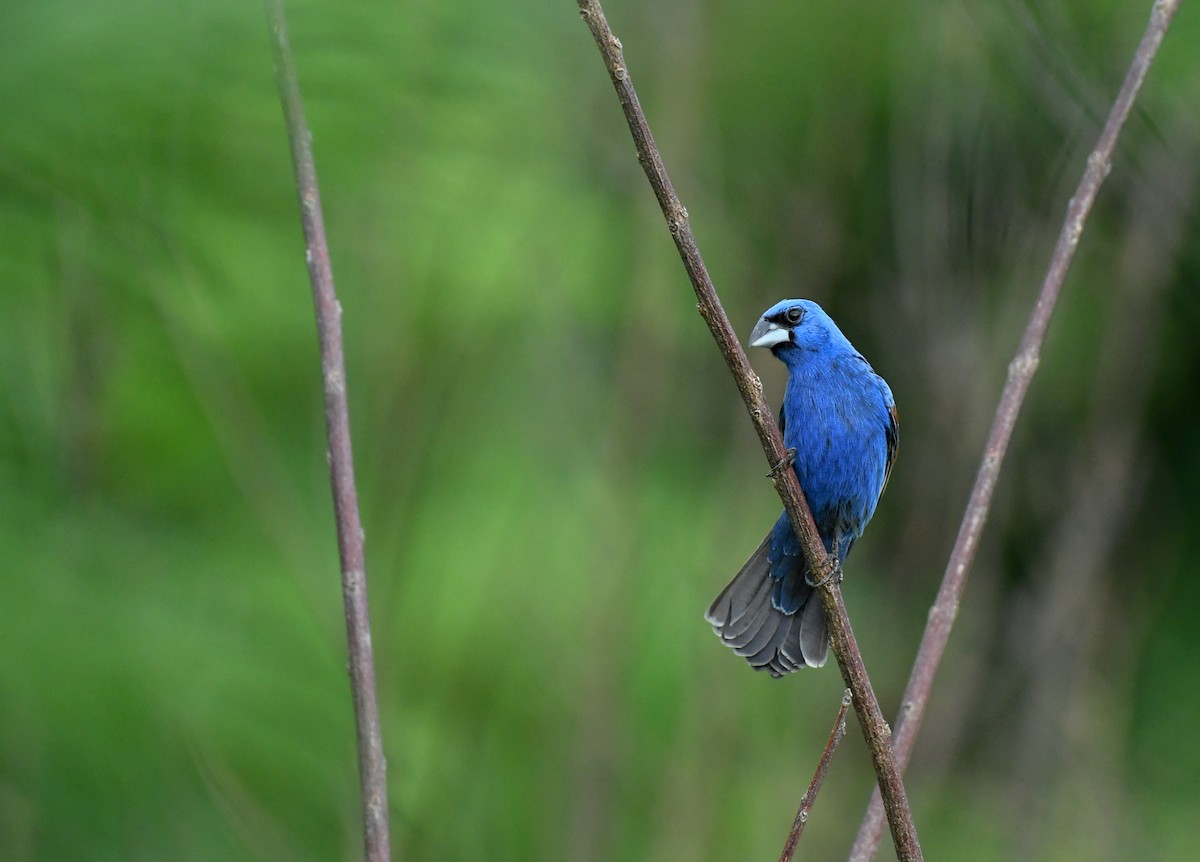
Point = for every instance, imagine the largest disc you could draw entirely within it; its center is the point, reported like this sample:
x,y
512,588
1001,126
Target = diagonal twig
x,y
1020,373
371,763
814,786
845,647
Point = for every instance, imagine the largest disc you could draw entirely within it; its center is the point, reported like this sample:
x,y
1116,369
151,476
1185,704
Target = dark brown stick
x,y
1020,373
845,648
814,786
371,764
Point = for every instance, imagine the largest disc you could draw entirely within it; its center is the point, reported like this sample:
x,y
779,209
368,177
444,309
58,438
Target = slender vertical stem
x,y
845,648
814,786
1020,373
371,763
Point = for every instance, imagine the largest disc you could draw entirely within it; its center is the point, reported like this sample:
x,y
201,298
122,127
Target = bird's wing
x,y
782,420
892,434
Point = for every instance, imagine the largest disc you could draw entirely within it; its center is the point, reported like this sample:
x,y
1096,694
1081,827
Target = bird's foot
x,y
835,574
786,461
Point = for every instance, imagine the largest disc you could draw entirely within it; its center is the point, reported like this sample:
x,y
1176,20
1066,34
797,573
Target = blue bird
x,y
839,419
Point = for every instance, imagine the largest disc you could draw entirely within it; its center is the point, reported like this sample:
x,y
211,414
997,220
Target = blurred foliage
x,y
554,469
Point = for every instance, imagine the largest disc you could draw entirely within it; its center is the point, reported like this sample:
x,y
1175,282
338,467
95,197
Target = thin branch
x,y
1020,373
371,764
845,648
814,786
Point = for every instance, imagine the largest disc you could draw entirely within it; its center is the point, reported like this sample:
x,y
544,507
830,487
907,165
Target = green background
x,y
555,471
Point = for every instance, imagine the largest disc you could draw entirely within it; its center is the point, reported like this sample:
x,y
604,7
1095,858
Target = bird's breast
x,y
841,454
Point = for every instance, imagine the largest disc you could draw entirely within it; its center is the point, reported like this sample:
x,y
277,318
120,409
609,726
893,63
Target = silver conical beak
x,y
768,334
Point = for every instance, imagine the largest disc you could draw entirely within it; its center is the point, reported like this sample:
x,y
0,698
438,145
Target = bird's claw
x,y
836,575
786,461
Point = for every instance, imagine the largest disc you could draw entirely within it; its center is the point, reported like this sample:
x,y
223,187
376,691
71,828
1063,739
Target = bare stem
x,y
371,763
845,648
814,786
1020,373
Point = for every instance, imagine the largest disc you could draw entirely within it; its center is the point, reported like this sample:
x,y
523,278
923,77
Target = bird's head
x,y
795,324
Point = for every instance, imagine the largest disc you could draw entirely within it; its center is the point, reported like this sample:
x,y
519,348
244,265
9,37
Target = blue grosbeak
x,y
839,420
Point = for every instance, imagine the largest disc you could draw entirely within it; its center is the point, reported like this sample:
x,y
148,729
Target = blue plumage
x,y
840,418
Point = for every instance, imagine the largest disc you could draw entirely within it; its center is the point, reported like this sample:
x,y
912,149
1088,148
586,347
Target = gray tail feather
x,y
747,622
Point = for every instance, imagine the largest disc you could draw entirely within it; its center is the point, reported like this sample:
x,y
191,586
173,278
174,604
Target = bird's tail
x,y
747,620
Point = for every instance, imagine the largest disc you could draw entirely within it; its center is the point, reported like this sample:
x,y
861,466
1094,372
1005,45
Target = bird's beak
x,y
768,334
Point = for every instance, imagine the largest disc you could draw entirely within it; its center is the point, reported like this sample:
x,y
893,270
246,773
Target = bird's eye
x,y
794,314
